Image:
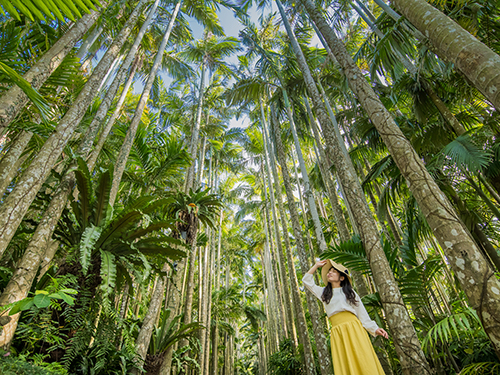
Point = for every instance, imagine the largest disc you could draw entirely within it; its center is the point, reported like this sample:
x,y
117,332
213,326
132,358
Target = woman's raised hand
x,y
320,263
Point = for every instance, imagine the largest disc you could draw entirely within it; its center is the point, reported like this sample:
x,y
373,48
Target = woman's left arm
x,y
366,321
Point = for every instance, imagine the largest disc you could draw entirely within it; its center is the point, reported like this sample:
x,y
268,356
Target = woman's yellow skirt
x,y
352,350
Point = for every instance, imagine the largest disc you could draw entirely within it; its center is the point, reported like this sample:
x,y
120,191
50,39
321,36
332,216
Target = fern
x,y
482,368
466,155
89,239
351,254
108,275
456,325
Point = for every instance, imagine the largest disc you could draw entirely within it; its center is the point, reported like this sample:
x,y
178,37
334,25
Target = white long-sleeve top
x,y
339,303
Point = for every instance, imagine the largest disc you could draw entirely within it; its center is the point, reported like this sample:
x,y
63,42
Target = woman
x,y
352,351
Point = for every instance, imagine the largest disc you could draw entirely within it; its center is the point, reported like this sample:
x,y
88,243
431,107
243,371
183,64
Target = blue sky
x,y
231,27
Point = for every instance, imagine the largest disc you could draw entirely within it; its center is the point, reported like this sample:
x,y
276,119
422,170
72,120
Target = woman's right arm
x,y
308,279
319,264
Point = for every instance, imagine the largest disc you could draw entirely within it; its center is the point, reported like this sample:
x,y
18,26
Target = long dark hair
x,y
346,288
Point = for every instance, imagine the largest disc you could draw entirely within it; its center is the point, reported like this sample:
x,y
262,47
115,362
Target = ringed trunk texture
x,y
330,188
188,305
472,269
320,239
454,44
21,281
406,341
15,99
122,158
174,303
208,313
12,160
17,203
278,299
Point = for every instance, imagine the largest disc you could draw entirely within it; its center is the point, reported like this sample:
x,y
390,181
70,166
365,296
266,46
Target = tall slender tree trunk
x,y
148,323
201,161
188,304
89,41
305,216
20,283
174,303
205,291
406,341
277,290
12,160
92,159
284,278
320,239
318,323
472,269
338,214
208,320
17,203
122,158
269,299
215,340
294,285
195,134
454,124
15,99
454,44
22,279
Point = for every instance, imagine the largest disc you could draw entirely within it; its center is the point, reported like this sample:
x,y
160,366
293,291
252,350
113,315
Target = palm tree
x,y
471,57
17,203
15,99
21,281
456,241
304,263
189,209
412,361
209,53
121,160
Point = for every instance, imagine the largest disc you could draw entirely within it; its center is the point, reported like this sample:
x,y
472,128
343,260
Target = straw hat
x,y
329,264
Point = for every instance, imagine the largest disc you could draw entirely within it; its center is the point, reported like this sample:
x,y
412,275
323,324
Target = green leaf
x,y
37,10
87,244
22,305
39,102
101,207
66,298
84,184
465,154
69,291
42,301
351,254
108,275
